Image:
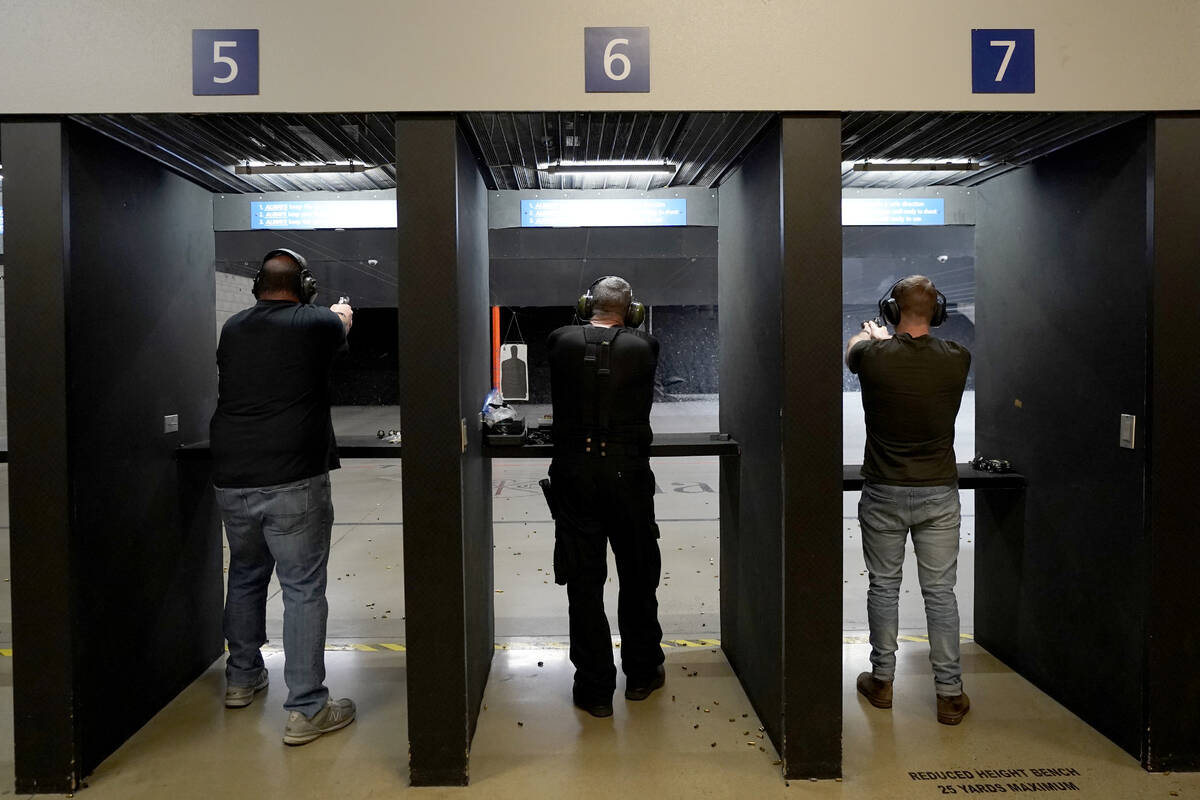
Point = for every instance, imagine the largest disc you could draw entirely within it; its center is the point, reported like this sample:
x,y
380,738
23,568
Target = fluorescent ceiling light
x,y
915,166
609,168
299,169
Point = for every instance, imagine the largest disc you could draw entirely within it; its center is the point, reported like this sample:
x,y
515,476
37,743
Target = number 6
x,y
220,59
610,57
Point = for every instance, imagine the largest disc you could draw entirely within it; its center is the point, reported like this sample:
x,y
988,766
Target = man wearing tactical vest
x,y
602,385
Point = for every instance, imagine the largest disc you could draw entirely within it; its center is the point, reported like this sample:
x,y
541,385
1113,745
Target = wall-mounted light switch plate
x,y
1128,426
171,423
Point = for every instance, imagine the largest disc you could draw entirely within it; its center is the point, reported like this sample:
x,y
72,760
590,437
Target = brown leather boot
x,y
877,692
952,708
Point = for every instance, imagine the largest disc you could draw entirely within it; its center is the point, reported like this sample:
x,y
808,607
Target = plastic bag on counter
x,y
495,411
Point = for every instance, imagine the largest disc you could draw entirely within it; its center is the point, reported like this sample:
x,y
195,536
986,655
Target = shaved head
x,y
280,275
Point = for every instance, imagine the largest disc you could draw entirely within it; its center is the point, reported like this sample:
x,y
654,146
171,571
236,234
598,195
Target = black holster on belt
x,y
566,554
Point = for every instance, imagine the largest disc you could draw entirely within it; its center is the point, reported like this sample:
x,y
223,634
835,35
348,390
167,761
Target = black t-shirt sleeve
x,y
961,355
650,340
330,327
325,331
966,354
855,356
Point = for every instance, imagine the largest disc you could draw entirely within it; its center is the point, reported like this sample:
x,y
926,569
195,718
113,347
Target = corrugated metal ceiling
x,y
516,148
208,147
700,147
995,142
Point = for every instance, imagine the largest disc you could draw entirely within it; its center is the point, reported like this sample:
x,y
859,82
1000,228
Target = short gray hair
x,y
612,295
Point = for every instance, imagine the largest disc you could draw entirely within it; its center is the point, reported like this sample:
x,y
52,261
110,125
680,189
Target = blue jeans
x,y
285,528
932,513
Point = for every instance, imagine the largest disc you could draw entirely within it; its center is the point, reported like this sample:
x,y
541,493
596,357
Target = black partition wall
x,y
445,369
1079,257
779,290
1062,274
1173,521
116,552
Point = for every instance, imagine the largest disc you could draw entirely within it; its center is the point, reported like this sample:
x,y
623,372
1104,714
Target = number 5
x,y
233,68
610,57
1011,45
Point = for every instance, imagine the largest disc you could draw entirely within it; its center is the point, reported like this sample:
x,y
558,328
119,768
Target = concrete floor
x,y
697,738
689,740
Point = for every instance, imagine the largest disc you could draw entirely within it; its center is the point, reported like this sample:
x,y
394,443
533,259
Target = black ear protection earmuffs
x,y
889,308
306,283
635,315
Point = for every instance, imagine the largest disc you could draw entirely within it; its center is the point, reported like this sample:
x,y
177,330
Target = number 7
x,y
1011,45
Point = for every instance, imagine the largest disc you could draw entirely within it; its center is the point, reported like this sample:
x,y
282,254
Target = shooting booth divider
x,y
116,549
1173,522
1087,298
445,374
779,290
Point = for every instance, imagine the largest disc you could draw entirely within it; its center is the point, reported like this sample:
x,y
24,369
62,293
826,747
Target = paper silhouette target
x,y
514,371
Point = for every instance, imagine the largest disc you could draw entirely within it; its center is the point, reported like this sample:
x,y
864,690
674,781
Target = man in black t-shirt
x,y
273,446
912,385
602,386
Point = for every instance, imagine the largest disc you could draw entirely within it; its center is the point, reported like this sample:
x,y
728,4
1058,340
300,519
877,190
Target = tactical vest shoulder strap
x,y
597,359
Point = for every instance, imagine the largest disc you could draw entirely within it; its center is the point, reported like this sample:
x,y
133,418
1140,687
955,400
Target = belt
x,y
597,446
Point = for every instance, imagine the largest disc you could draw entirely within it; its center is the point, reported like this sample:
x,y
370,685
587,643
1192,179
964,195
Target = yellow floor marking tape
x,y
966,637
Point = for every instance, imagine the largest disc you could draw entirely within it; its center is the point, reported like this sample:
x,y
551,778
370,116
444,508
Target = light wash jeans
x,y
932,513
285,528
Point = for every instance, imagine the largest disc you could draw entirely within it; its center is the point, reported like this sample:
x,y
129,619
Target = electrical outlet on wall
x,y
171,423
1128,426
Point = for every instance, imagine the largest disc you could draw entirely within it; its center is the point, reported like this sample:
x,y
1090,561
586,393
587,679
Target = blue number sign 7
x,y
1011,44
1002,61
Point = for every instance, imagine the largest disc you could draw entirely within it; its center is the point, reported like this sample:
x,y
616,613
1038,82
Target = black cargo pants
x,y
602,501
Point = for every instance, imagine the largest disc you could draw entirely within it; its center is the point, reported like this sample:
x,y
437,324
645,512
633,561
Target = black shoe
x,y
641,691
597,708
596,705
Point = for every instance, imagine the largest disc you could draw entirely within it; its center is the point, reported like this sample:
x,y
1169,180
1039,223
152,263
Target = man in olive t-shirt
x,y
912,385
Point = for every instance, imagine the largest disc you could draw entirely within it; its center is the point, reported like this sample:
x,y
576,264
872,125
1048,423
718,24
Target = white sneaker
x,y
335,715
242,696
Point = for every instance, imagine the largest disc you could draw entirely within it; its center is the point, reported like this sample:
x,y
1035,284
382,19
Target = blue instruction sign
x,y
225,61
599,213
616,59
893,211
1002,61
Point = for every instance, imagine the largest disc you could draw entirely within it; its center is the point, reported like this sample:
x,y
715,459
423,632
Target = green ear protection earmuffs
x,y
635,315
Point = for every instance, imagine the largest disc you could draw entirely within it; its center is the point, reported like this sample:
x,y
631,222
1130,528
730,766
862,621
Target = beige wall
x,y
3,363
66,56
233,295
